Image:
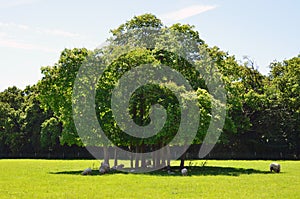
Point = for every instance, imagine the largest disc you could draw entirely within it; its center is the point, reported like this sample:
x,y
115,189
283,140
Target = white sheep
x,y
118,167
184,171
87,171
104,168
275,167
102,171
170,172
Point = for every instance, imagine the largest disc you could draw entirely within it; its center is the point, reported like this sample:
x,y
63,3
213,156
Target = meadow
x,y
28,178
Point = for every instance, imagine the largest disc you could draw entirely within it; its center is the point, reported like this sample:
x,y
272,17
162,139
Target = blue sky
x,y
34,32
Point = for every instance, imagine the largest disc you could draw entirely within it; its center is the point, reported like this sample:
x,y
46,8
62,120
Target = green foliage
x,y
12,135
262,111
21,119
142,21
50,133
284,105
56,90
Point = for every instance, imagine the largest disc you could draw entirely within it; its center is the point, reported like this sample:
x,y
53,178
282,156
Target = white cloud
x,y
15,3
13,25
58,32
10,43
22,36
53,32
187,12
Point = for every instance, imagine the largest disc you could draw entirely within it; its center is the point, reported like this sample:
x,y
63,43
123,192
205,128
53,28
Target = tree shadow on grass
x,y
192,171
94,172
211,171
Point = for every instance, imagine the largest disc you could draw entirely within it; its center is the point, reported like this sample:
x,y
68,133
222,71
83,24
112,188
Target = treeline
x,y
24,123
262,112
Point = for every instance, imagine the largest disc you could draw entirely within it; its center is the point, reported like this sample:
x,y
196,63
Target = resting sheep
x,y
104,168
275,167
87,171
118,167
170,172
184,171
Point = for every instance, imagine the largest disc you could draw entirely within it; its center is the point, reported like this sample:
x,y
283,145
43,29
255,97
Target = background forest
x,y
263,111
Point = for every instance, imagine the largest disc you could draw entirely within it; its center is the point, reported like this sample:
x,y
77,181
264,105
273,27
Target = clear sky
x,y
34,32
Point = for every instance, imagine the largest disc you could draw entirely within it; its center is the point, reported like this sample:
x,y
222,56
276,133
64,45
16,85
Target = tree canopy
x,y
262,111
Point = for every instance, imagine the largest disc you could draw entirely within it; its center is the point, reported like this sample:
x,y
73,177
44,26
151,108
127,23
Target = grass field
x,y
217,179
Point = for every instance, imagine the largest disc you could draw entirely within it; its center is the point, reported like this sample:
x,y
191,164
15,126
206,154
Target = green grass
x,y
218,179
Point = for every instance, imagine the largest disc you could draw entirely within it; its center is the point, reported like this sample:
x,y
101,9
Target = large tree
x,y
57,83
144,39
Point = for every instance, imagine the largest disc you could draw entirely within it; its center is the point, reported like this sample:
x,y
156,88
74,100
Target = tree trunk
x,y
157,158
182,161
106,154
131,161
143,160
168,157
182,158
154,156
137,157
116,157
163,156
131,156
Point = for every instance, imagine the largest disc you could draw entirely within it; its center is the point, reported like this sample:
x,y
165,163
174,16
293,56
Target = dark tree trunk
x,y
168,156
157,158
143,160
137,157
131,160
163,156
182,162
182,158
154,156
116,157
106,154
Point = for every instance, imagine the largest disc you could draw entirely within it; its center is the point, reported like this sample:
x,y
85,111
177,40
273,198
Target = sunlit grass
x,y
218,179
